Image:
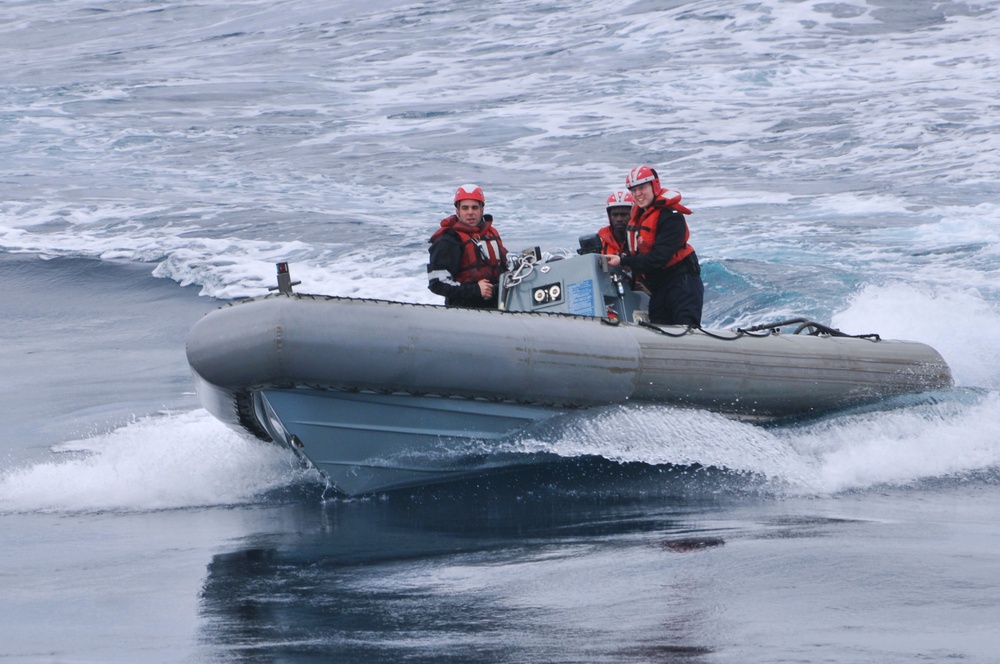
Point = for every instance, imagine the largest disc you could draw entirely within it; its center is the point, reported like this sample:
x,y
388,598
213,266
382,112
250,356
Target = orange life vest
x,y
643,224
609,245
483,253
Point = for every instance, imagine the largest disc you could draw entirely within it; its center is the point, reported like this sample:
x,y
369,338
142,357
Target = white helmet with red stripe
x,y
642,175
620,199
470,192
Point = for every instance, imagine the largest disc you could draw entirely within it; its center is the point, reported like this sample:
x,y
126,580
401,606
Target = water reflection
x,y
526,566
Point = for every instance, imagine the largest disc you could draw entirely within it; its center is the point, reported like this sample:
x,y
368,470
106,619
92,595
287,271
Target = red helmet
x,y
642,175
620,199
469,192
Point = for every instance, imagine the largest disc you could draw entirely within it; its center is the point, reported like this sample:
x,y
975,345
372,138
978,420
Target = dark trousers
x,y
678,301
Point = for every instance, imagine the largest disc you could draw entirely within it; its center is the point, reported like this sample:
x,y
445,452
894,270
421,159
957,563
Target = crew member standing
x,y
467,256
659,253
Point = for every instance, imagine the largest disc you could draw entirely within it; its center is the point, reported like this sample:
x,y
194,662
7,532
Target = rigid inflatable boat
x,y
381,395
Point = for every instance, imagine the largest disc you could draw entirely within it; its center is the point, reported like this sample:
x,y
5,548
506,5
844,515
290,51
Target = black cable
x,y
686,331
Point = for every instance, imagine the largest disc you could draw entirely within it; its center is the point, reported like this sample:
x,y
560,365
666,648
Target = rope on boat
x,y
814,329
691,328
759,331
740,332
687,330
523,266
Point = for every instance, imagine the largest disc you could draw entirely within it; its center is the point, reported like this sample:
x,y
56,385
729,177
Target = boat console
x,y
583,285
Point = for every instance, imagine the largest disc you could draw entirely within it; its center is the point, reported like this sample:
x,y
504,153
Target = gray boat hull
x,y
381,395
365,442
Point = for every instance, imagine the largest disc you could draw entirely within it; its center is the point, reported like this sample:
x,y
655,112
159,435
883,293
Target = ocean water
x,y
157,157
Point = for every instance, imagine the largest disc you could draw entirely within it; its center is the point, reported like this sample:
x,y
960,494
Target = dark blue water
x,y
89,344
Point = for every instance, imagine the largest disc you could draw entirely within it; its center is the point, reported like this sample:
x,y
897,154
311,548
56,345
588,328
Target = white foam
x,y
838,453
161,462
900,447
959,323
660,435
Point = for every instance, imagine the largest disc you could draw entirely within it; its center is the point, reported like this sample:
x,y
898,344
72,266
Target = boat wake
x,y
955,436
898,443
189,460
168,461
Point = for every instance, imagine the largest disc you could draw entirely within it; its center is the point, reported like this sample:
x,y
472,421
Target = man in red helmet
x,y
613,236
659,253
467,255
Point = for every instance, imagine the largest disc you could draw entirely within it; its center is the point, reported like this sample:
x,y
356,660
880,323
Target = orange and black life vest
x,y
643,224
483,253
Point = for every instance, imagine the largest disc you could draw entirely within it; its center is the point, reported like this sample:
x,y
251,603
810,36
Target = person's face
x,y
643,194
469,212
619,216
